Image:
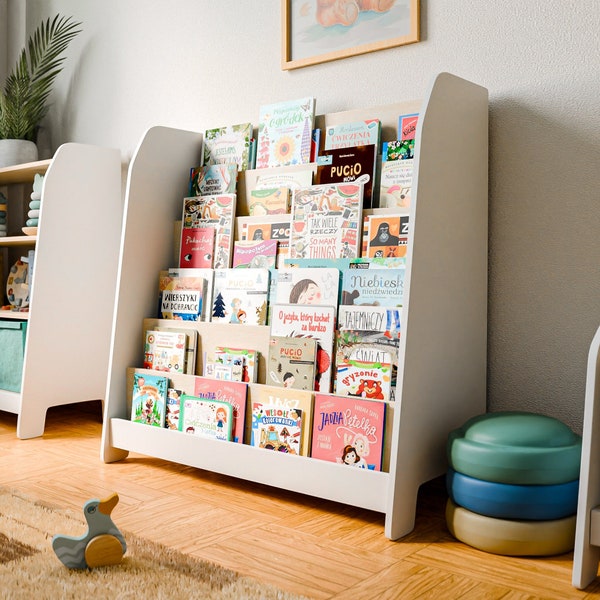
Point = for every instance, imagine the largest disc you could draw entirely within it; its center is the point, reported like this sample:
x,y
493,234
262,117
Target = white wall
x,y
202,63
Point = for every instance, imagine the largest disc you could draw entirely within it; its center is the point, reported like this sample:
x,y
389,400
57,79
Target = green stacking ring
x,y
511,538
515,447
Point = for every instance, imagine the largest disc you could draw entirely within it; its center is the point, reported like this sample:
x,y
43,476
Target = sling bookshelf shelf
x,y
442,357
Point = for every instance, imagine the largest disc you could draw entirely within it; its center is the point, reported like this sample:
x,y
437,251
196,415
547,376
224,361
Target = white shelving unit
x,y
72,295
442,363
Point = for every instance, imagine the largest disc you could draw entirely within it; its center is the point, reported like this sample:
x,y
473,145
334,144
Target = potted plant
x,y
24,98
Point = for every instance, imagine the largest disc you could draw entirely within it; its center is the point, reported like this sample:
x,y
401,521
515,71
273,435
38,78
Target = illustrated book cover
x,y
291,362
367,373
395,183
248,359
229,144
173,408
178,277
307,285
269,201
233,393
281,419
285,133
254,254
292,177
387,235
326,221
269,227
206,418
165,351
197,247
240,296
311,321
373,287
356,164
348,431
149,398
356,133
191,344
181,295
212,179
216,211
407,126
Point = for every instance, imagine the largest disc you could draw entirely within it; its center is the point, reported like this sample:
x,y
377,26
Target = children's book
x,y
165,351
373,287
254,254
216,211
348,431
229,144
233,393
206,418
356,164
356,133
315,145
191,345
197,247
178,276
387,235
407,126
326,221
181,295
269,227
395,183
209,180
367,373
292,177
281,419
397,150
149,399
269,201
307,285
310,321
285,133
247,356
240,296
173,408
292,362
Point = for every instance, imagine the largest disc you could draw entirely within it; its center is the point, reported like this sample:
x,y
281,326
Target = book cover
x,y
233,393
407,126
269,227
165,351
212,179
173,408
326,221
229,144
397,150
292,362
387,235
191,345
356,133
355,164
207,275
285,133
292,177
270,406
240,296
315,144
307,285
148,400
197,247
348,431
269,201
249,360
373,287
216,211
254,254
395,183
180,295
310,321
206,418
366,373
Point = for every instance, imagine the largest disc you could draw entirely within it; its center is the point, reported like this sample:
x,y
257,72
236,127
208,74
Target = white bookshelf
x,y
442,358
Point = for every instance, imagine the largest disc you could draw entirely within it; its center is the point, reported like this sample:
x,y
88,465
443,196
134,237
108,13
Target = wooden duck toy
x,y
101,546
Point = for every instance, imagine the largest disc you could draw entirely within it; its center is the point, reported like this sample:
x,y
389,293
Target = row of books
x,y
348,431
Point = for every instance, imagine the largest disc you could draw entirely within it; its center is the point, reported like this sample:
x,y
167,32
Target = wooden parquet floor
x,y
323,550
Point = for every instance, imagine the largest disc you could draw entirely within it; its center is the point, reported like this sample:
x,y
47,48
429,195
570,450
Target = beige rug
x,y
30,569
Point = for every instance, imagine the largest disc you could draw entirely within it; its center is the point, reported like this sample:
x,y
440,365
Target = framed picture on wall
x,y
316,31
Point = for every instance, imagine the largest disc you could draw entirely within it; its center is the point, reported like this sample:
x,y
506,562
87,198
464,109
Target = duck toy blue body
x,y
102,545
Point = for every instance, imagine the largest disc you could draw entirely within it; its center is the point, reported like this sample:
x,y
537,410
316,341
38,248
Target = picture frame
x,y
318,31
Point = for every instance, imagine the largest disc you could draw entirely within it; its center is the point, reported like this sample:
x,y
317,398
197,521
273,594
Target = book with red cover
x,y
197,247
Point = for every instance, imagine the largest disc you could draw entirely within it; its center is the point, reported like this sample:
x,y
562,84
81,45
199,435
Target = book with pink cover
x,y
254,254
348,431
197,247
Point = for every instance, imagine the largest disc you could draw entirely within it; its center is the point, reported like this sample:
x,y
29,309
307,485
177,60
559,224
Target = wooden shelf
x,y
17,316
23,173
18,240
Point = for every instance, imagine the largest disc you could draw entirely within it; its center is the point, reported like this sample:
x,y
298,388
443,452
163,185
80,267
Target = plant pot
x,y
17,152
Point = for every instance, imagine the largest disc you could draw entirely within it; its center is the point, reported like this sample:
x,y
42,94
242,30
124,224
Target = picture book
x,y
149,399
373,287
387,235
356,164
225,372
395,183
311,321
307,285
181,295
285,133
356,133
191,345
281,419
269,227
292,362
212,179
368,378
397,150
292,177
206,418
165,351
407,126
348,431
315,144
173,408
197,247
249,360
254,254
229,144
326,221
216,211
269,201
177,274
240,296
233,393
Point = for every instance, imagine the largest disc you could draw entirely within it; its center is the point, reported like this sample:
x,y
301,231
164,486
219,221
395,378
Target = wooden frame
x,y
312,33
